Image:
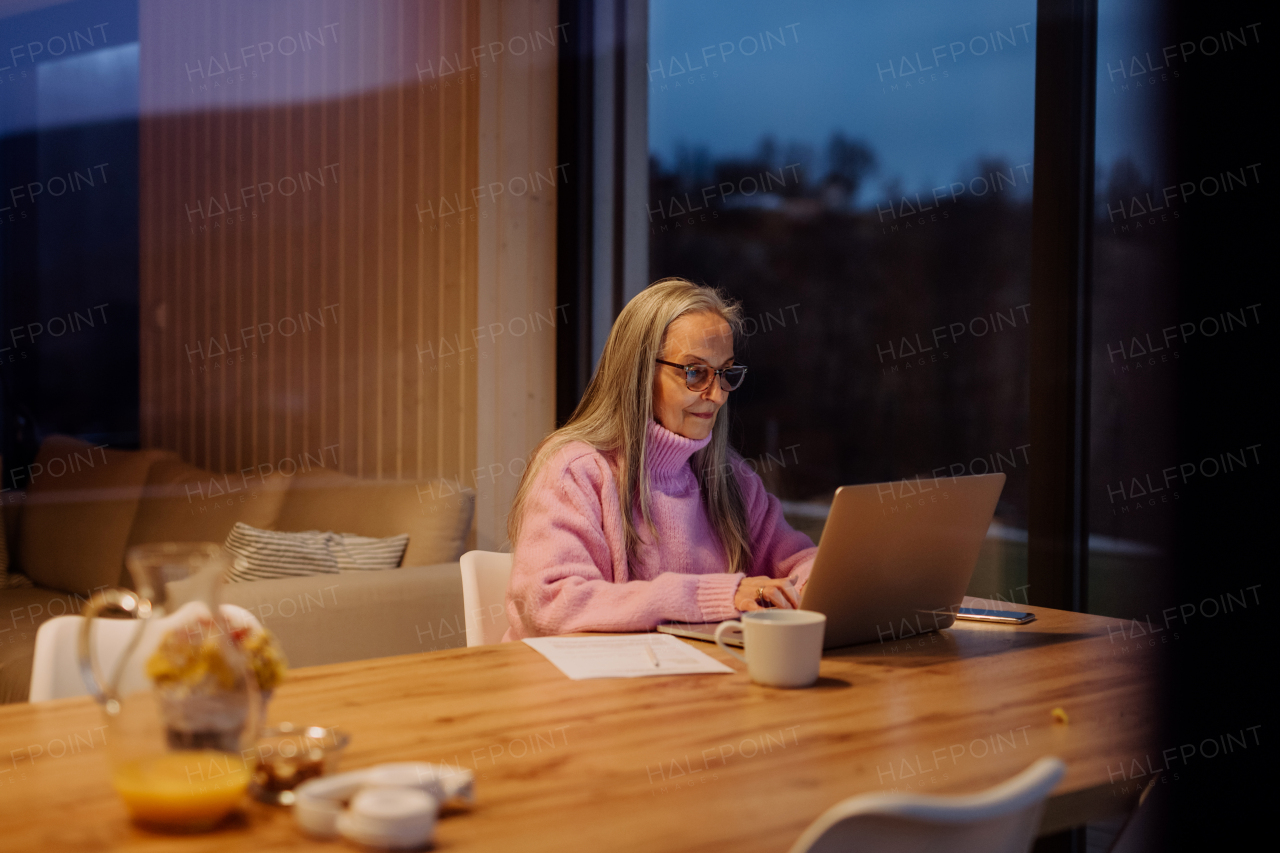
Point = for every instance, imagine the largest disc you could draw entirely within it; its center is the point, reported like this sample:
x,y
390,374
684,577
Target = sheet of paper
x,y
624,656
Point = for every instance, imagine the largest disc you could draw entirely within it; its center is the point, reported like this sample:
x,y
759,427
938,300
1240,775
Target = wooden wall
x,y
516,287
315,262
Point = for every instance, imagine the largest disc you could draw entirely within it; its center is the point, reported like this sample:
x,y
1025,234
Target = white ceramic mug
x,y
784,647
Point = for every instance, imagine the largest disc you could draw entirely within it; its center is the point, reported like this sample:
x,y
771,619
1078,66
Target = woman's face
x,y
702,338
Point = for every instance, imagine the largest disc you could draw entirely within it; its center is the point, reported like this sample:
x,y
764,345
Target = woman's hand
x,y
777,593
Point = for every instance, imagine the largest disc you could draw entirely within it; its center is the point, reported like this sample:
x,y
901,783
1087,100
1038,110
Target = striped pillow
x,y
266,554
366,553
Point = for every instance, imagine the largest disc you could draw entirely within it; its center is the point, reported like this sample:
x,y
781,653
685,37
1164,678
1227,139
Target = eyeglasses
x,y
697,377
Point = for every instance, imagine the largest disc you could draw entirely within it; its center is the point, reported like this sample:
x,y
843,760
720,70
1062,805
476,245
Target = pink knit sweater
x,y
571,571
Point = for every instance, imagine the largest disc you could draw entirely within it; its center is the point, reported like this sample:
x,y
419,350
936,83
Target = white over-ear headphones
x,y
393,806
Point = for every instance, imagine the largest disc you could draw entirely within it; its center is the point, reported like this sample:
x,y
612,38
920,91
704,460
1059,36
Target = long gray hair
x,y
614,414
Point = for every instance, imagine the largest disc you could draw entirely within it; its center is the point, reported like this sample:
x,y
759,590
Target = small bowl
x,y
288,755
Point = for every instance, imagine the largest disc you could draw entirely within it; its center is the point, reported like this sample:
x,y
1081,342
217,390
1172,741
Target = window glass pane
x,y
859,175
68,227
1134,368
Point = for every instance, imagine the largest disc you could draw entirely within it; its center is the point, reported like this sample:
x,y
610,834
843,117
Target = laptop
x,y
894,561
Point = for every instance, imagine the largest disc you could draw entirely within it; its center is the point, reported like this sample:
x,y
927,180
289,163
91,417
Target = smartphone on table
x,y
1008,617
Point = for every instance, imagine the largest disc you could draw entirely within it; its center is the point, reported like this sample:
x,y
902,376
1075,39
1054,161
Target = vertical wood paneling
x,y
398,382
357,245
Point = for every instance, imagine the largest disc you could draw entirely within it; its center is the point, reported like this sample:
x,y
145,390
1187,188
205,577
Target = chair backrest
x,y
484,590
1003,819
55,665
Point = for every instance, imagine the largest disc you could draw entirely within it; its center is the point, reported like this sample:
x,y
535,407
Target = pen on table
x,y
652,656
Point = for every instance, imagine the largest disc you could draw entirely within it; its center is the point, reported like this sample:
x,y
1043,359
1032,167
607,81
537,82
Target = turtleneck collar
x,y
667,454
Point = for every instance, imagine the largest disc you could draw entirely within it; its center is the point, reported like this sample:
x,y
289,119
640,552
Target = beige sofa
x,y
84,506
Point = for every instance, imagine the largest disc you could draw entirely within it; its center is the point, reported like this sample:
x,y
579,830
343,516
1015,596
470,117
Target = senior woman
x,y
636,511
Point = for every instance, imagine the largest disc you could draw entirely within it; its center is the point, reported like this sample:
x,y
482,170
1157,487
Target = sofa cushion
x,y
8,579
354,615
435,513
80,504
183,503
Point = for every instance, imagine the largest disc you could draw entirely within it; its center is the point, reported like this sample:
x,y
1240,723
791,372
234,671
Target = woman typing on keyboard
x,y
636,511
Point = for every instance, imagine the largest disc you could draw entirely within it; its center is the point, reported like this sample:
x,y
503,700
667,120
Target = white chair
x,y
55,665
55,668
1003,819
485,575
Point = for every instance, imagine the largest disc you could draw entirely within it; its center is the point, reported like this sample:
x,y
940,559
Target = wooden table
x,y
682,763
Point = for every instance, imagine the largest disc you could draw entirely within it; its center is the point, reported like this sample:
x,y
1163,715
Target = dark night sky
x,y
832,75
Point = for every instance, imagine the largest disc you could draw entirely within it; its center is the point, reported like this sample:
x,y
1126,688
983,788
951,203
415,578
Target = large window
x,y
68,228
860,177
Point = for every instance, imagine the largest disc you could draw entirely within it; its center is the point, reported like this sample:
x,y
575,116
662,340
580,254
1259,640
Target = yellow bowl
x,y
186,790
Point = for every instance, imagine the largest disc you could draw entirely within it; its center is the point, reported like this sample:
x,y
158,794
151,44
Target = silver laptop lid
x,y
895,558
